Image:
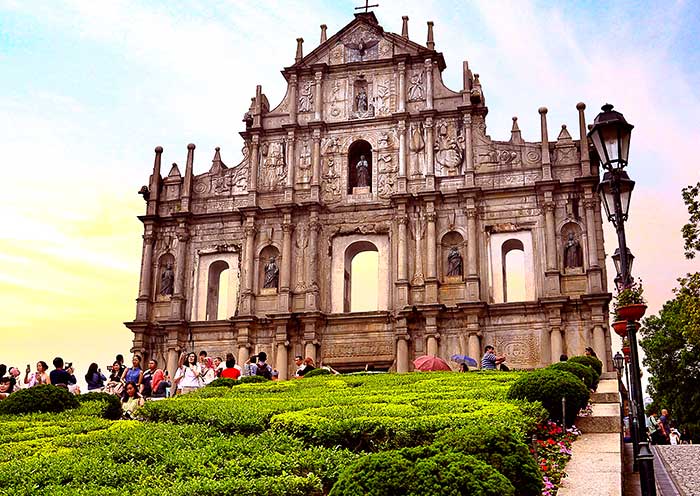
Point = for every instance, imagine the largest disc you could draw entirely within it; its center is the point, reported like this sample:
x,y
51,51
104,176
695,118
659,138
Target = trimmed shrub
x,y
588,361
501,448
248,379
411,473
46,398
112,408
587,374
317,372
223,382
548,387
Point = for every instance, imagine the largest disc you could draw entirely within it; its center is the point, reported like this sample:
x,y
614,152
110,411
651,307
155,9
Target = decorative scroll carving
x,y
331,182
337,99
382,99
304,163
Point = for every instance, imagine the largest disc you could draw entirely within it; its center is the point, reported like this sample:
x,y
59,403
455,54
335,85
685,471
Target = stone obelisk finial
x,y
323,33
300,51
431,40
404,27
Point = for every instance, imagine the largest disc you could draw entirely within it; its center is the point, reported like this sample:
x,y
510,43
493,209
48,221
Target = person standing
x,y
134,373
490,360
94,378
189,373
665,426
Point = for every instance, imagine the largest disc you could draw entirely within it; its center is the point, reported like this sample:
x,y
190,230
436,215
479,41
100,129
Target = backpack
x,y
264,370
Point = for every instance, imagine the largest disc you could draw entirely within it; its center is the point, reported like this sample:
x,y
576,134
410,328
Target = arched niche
x,y
345,251
512,267
364,279
452,240
571,247
216,284
356,151
161,278
267,254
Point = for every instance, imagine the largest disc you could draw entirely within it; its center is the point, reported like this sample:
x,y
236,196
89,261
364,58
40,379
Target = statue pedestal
x,y
268,291
361,190
453,280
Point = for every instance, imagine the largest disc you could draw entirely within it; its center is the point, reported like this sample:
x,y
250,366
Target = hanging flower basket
x,y
620,328
632,312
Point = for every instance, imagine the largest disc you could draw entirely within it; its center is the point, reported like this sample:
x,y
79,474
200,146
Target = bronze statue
x,y
362,172
272,273
572,253
454,262
167,280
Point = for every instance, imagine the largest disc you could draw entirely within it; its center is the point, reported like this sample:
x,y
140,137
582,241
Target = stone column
x,y
318,96
171,364
401,104
310,351
546,161
402,362
248,268
254,156
474,346
428,84
316,164
187,184
431,217
282,363
585,159
312,263
178,300
550,235
556,343
589,205
432,345
473,291
599,344
146,275
401,127
468,164
291,159
429,153
286,270
293,99
403,248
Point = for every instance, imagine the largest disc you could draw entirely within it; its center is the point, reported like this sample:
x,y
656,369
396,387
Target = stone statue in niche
x,y
573,256
362,172
306,97
167,280
415,89
361,101
272,273
454,263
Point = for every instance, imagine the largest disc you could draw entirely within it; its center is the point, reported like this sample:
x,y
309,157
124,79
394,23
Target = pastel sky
x,y
88,89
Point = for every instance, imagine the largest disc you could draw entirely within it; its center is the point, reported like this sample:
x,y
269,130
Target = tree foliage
x,y
691,231
671,342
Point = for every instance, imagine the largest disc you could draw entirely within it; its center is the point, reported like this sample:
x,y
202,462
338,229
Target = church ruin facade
x,y
476,241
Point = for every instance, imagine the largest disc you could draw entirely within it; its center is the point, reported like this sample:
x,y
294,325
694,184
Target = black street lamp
x,y
610,134
619,363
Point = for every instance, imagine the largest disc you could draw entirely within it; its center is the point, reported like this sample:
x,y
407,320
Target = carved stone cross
x,y
366,6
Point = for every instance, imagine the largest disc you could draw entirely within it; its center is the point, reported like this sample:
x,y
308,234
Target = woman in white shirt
x,y
190,373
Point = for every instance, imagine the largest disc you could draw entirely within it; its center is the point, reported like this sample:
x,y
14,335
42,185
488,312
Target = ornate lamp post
x,y
610,135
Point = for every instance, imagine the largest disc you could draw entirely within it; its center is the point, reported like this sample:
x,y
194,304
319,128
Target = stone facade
x,y
369,150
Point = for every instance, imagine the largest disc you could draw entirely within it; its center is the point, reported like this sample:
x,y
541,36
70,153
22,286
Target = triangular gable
x,y
360,40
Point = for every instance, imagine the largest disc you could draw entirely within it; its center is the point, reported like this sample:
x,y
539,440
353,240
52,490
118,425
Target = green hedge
x,y
548,387
111,406
46,398
418,472
588,361
587,374
223,382
501,448
317,372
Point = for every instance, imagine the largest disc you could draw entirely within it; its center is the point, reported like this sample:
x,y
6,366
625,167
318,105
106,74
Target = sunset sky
x,y
88,89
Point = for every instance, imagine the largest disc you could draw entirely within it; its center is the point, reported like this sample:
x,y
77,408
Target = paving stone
x,y
682,462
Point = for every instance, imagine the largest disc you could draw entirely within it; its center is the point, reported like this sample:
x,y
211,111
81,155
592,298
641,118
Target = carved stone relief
x,y
304,163
360,46
337,55
382,99
520,349
273,173
337,99
448,149
387,166
416,146
416,90
331,190
306,96
302,241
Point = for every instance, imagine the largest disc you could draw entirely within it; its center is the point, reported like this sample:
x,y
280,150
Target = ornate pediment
x,y
360,41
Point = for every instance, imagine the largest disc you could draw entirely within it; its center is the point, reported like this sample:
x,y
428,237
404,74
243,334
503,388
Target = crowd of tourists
x,y
138,383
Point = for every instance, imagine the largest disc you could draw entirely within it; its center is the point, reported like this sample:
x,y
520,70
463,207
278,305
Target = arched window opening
x,y
218,272
361,288
514,273
359,167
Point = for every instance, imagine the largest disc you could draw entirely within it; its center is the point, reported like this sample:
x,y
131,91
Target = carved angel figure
x,y
415,90
306,98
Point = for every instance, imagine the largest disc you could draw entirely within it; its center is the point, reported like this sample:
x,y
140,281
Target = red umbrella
x,y
427,363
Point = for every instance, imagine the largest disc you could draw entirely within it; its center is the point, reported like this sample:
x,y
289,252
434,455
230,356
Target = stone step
x,y
605,419
608,375
607,392
595,467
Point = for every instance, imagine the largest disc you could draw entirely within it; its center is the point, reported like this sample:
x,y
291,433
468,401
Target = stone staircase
x,y
595,468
